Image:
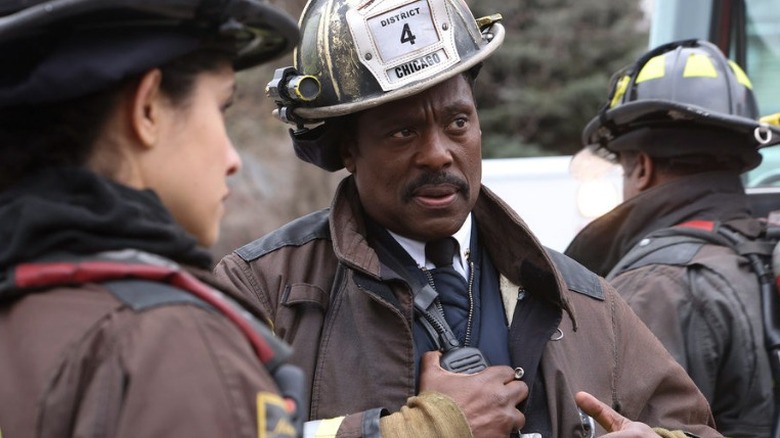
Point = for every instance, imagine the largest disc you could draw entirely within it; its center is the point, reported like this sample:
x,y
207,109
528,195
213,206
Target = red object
x,y
702,225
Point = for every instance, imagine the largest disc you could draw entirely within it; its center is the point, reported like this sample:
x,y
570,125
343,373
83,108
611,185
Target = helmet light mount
x,y
288,88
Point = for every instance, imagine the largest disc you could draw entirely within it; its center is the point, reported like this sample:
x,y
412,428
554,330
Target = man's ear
x,y
645,172
146,112
347,150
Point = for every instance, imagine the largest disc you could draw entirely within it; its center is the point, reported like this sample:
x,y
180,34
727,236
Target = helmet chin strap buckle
x,y
286,115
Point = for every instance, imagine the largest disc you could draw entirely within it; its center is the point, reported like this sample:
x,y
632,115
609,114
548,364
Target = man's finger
x,y
610,420
431,358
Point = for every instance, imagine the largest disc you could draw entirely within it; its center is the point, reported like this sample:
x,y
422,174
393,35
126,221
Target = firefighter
x,y
113,167
419,304
682,123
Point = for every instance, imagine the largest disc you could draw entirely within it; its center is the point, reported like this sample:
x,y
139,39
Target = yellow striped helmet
x,y
681,90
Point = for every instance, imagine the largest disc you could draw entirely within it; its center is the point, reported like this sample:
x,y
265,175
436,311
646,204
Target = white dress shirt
x,y
460,261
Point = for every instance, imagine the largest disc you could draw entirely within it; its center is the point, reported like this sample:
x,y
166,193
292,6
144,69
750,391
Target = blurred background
x,y
535,94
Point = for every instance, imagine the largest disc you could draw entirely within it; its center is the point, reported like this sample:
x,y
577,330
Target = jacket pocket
x,y
303,307
303,294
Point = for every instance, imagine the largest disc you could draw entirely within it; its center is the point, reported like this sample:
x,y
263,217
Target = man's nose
x,y
436,151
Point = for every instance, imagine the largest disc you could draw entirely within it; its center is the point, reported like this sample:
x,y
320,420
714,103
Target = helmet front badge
x,y
403,42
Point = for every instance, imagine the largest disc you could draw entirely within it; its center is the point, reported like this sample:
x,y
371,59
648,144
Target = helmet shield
x,y
681,86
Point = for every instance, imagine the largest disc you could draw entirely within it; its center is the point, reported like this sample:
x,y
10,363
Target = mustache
x,y
430,178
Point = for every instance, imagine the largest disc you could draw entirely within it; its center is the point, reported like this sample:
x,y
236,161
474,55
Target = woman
x,y
113,167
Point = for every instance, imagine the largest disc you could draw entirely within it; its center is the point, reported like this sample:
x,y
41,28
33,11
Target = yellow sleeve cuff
x,y
428,414
665,433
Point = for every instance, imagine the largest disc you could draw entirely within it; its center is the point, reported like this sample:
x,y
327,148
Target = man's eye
x,y
402,133
460,122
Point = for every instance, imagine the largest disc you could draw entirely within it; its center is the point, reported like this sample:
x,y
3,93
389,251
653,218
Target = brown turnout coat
x,y
320,283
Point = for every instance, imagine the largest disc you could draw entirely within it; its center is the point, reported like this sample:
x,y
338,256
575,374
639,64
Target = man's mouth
x,y
436,189
438,195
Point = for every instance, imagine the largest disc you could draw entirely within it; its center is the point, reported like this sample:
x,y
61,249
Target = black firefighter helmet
x,y
673,97
358,55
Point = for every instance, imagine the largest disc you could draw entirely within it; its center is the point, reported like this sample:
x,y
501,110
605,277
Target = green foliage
x,y
551,75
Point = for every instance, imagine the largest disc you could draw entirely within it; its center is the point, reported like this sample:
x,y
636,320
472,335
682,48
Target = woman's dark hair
x,y
63,134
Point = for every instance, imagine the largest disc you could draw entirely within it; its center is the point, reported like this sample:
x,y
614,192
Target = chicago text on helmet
x,y
416,65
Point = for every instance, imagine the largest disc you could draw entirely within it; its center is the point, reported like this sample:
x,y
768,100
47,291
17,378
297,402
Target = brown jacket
x,y
699,297
322,285
713,328
78,362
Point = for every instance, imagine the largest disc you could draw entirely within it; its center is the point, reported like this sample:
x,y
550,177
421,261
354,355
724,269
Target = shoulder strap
x,y
424,298
676,250
141,295
675,246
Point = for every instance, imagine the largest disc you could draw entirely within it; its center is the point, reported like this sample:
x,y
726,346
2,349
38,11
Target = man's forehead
x,y
454,94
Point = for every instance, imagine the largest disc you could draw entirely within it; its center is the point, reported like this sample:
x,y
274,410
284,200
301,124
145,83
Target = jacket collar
x,y
515,252
348,230
708,196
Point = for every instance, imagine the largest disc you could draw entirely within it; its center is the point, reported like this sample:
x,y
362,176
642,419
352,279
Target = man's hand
x,y
488,398
615,424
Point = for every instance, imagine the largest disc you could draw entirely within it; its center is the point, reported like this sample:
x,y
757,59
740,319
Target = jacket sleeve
x,y
428,415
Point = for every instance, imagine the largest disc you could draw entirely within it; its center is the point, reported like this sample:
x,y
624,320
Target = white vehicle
x,y
546,195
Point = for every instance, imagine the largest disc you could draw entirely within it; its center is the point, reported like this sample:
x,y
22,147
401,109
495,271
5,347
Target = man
x,y
376,323
681,123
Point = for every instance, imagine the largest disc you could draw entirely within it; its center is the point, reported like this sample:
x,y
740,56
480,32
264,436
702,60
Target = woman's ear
x,y
147,108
